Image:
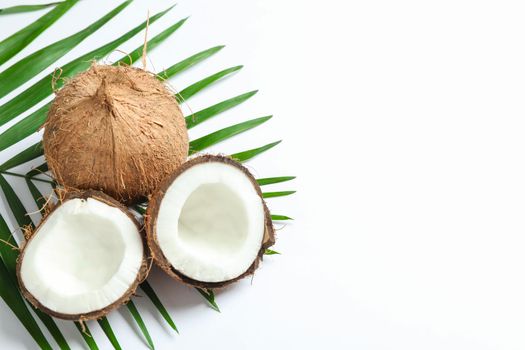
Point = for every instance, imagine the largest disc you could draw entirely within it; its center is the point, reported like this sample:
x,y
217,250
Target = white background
x,y
404,122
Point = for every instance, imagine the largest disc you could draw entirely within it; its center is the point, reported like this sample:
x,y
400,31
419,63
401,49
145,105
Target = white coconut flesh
x,y
210,223
84,257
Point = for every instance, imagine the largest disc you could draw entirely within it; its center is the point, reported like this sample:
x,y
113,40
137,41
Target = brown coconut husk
x,y
150,221
141,276
116,129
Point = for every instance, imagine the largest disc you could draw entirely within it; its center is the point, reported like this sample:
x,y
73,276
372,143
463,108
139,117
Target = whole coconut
x,y
115,129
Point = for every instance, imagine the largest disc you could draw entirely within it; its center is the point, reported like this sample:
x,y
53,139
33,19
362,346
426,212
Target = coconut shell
x,y
150,221
141,276
116,129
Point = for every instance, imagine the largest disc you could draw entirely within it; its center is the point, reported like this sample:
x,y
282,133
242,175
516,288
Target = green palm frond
x,y
11,296
277,194
245,156
186,93
224,134
277,217
108,331
209,296
24,127
189,62
195,119
16,42
39,199
26,8
145,286
8,249
86,335
274,180
24,70
31,65
32,177
15,204
140,322
30,153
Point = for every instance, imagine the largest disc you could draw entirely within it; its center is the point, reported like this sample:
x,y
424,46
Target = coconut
x,y
84,259
117,129
208,225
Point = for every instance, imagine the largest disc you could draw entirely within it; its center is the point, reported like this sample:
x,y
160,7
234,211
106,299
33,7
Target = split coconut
x,y
85,259
208,225
117,129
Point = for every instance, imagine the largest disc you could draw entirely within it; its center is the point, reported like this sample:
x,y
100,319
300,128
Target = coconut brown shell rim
x,y
150,221
141,276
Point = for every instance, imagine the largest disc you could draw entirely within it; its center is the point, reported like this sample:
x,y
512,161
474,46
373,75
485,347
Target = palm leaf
x,y
16,42
39,170
40,200
191,90
223,134
249,154
13,299
31,65
146,287
30,153
17,208
25,8
43,88
108,331
86,335
196,118
24,127
8,250
33,177
35,193
189,62
277,217
209,296
140,322
274,180
277,194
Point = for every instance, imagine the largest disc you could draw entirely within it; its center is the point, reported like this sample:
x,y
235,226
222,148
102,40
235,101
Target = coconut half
x,y
208,225
86,258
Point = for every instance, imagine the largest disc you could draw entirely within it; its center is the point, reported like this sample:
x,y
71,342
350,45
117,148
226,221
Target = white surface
x,y
404,122
84,258
211,223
